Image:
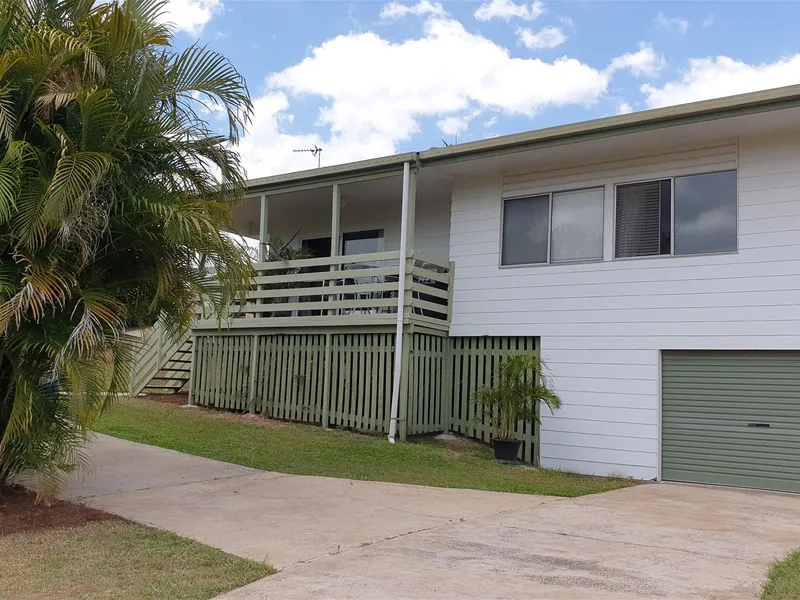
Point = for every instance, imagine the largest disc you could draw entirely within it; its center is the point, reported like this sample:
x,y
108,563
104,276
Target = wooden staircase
x,y
161,365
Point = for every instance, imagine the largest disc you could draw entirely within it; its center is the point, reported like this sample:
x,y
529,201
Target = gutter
x,y
695,112
659,118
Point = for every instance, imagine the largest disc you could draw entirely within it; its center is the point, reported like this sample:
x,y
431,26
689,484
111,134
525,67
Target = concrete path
x,y
283,519
340,539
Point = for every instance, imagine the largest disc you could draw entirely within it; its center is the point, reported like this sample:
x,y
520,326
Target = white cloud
x,y
267,149
366,106
708,22
677,23
190,16
508,9
454,125
490,123
207,106
397,10
547,37
567,21
723,76
642,63
623,108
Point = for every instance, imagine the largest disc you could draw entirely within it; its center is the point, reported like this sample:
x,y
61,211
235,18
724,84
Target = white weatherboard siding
x,y
603,324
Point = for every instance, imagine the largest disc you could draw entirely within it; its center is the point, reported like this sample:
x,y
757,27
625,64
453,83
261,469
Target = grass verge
x,y
117,560
784,579
309,450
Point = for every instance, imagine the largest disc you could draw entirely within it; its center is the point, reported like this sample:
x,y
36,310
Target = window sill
x,y
569,263
663,256
613,260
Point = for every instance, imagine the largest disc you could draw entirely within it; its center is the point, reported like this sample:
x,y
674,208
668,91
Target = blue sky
x,y
365,79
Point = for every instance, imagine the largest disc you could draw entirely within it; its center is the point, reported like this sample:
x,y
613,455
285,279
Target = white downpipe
x,y
401,299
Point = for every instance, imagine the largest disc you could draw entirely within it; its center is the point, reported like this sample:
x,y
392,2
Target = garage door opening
x,y
731,418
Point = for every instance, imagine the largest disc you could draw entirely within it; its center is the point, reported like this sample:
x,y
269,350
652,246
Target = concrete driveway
x,y
336,538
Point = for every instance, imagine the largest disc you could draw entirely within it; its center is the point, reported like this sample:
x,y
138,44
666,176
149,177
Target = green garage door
x,y
731,418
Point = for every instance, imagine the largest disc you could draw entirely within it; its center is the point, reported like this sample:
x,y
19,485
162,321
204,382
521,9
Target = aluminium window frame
x,y
672,254
549,194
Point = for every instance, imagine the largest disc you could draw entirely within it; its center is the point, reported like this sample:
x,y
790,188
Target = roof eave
x,y
332,174
695,112
705,110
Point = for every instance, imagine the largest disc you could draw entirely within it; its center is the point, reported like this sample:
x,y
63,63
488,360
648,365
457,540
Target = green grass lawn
x,y
308,450
117,560
784,579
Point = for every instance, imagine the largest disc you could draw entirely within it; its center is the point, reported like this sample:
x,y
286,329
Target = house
x,y
652,259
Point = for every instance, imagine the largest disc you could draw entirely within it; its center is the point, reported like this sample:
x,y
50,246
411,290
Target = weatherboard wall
x,y
602,325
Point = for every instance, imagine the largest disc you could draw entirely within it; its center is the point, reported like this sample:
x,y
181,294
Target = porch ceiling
x,y
288,209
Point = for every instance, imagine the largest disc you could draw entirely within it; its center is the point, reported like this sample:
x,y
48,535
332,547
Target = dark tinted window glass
x,y
666,217
705,213
362,242
526,222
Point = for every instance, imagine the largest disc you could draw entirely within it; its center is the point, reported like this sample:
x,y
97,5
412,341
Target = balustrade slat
x,y
327,261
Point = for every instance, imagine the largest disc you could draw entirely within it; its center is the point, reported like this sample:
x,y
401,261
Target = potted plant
x,y
520,385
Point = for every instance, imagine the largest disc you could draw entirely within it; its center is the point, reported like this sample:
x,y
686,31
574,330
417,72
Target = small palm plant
x,y
520,385
280,250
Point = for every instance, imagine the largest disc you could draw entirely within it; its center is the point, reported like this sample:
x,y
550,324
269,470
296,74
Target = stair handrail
x,y
154,352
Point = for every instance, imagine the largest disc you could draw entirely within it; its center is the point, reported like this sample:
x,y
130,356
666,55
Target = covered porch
x,y
389,263
356,335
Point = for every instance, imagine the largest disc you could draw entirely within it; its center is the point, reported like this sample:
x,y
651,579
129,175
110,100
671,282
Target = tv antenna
x,y
315,151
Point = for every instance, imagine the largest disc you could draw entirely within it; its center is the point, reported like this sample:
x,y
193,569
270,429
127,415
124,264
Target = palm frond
x,y
75,178
207,73
114,189
8,118
521,384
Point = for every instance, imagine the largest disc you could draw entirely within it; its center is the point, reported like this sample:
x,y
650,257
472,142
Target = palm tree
x,y
114,188
520,385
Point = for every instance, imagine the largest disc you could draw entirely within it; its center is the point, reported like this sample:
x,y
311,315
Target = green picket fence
x,y
290,379
289,376
427,383
474,363
362,366
220,371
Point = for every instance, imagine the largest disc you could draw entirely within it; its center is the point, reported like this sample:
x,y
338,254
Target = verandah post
x,y
404,288
447,383
448,395
336,206
402,418
263,236
327,369
263,242
251,391
193,371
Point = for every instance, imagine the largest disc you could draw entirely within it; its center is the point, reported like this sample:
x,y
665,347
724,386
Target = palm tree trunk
x,y
6,405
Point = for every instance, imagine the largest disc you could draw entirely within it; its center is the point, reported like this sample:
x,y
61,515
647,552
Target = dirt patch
x,y
257,420
19,513
219,413
179,399
455,441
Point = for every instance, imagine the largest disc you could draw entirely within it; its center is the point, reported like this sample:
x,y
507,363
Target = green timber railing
x,y
158,356
343,291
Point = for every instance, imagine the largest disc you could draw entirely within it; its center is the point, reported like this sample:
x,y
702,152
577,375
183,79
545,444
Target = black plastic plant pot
x,y
506,450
